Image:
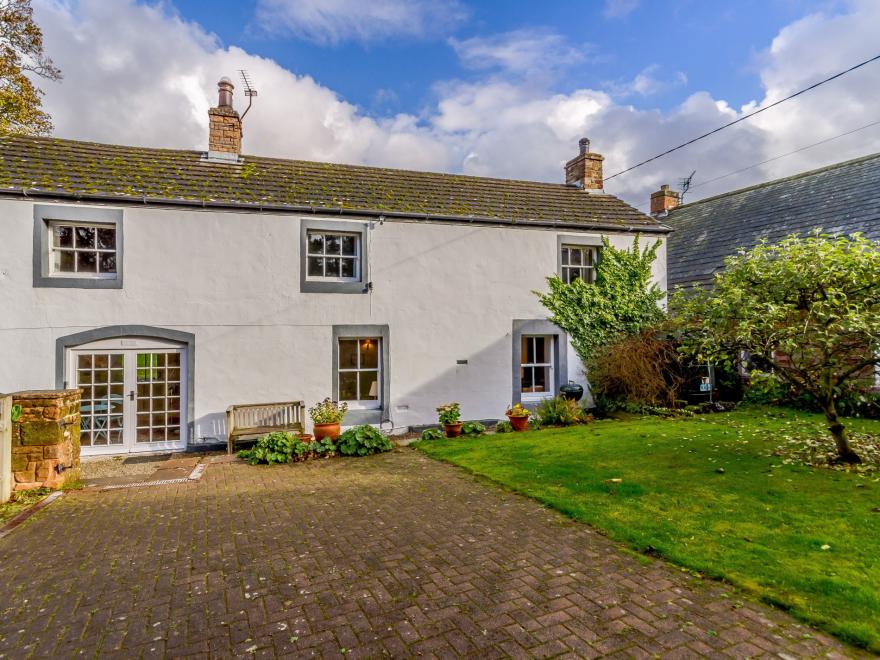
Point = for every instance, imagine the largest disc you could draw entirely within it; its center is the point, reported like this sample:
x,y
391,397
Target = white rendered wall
x,y
447,292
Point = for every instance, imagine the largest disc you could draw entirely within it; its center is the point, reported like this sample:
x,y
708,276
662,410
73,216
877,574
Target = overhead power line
x,y
744,117
789,153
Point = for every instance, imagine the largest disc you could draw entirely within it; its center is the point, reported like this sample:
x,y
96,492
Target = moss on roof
x,y
36,165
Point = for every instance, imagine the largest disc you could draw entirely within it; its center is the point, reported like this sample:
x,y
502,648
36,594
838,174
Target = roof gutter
x,y
328,210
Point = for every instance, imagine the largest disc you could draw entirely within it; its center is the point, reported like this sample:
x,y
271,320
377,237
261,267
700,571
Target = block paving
x,y
392,555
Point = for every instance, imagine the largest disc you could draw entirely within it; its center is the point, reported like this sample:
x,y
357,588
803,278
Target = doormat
x,y
148,458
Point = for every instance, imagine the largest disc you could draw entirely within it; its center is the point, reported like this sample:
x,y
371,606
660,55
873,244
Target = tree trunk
x,y
845,454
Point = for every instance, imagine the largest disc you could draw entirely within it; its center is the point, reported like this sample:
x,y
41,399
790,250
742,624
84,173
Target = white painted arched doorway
x,y
134,394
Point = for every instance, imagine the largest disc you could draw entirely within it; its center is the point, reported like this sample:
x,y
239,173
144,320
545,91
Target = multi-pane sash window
x,y
83,250
359,371
334,256
578,262
536,369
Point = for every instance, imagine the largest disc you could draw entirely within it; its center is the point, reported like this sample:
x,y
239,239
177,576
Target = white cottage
x,y
171,284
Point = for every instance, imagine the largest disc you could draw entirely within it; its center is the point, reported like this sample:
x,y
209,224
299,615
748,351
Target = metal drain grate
x,y
141,484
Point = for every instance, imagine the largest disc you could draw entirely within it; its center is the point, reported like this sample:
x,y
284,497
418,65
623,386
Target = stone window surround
x,y
560,353
574,239
45,213
307,285
379,415
186,339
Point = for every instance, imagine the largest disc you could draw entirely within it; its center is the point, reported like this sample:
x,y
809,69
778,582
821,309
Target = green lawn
x,y
759,523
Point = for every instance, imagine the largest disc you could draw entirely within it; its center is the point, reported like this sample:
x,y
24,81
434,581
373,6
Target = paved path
x,y
390,555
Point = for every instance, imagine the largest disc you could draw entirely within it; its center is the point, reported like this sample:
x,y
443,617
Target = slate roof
x,y
84,170
841,199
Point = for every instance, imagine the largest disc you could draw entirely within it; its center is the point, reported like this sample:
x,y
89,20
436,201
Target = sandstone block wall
x,y
44,437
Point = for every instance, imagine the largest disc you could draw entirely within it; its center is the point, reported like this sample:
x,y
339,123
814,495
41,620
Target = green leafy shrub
x,y
362,441
559,411
303,451
765,388
504,427
276,447
473,429
431,434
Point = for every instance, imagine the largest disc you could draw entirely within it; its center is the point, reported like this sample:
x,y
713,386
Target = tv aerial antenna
x,y
249,90
684,184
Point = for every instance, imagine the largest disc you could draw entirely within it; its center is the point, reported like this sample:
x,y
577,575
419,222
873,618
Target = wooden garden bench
x,y
256,419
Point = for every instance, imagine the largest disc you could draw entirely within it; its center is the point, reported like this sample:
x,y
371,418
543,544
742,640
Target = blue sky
x,y
487,88
715,44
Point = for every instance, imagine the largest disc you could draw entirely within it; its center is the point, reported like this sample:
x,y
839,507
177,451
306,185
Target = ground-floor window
x,y
536,368
360,372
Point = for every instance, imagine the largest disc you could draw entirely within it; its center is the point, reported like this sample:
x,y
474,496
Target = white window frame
x,y
51,224
361,404
357,257
551,376
566,249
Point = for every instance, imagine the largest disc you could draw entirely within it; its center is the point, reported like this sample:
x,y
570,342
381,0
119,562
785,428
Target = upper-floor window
x,y
578,262
334,256
82,250
78,246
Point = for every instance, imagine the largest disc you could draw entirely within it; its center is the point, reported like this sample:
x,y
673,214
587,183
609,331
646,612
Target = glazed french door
x,y
132,400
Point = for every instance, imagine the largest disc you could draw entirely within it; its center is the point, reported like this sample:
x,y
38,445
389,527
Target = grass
x,y
706,493
21,500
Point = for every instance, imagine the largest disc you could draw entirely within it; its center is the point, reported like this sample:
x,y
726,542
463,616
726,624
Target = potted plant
x,y
326,417
519,417
450,417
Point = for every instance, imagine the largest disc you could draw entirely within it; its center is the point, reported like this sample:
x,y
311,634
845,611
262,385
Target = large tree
x,y
809,307
621,302
21,58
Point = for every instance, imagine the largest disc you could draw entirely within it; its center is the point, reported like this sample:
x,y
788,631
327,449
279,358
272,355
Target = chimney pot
x,y
664,200
585,170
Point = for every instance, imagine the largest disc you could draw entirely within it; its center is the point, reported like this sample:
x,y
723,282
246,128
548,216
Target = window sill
x,y
358,417
317,286
77,282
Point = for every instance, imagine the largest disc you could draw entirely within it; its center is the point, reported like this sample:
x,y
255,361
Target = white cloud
x,y
645,83
519,52
140,75
619,8
333,21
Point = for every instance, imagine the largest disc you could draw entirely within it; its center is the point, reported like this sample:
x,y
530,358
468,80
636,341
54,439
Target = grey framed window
x,y
361,372
540,365
333,257
577,257
578,262
77,247
537,367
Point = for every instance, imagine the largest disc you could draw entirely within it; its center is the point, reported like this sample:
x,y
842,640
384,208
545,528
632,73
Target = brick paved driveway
x,y
389,555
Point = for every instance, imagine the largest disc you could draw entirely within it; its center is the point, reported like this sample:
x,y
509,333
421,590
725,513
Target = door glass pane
x,y
101,404
158,401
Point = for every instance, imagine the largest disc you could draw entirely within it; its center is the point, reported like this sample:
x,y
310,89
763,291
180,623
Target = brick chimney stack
x,y
224,135
664,200
585,171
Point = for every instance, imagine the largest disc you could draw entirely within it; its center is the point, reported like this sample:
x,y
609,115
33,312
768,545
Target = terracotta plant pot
x,y
519,423
327,431
453,430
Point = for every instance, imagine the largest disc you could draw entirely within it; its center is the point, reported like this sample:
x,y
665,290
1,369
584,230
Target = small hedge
x,y
283,447
362,441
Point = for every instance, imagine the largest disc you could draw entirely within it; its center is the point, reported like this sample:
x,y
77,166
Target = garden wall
x,y
45,437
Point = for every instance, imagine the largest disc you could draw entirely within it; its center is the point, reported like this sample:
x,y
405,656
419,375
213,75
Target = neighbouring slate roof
x,y
48,166
840,199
